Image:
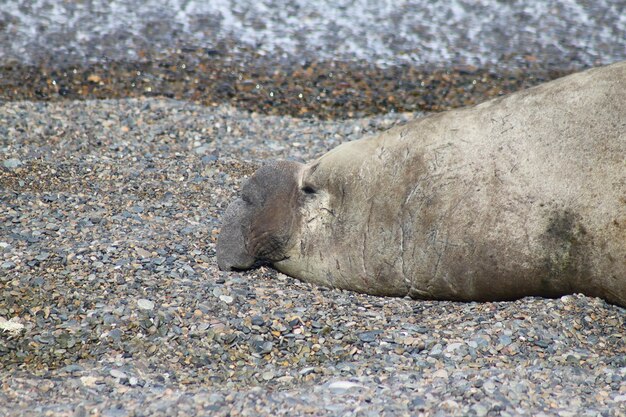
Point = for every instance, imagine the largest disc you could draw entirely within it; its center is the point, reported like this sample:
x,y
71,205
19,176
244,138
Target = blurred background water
x,y
561,33
326,58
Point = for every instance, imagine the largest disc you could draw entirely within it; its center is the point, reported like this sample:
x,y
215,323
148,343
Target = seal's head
x,y
314,222
259,225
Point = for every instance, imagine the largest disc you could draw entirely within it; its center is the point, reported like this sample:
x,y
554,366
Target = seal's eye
x,y
307,189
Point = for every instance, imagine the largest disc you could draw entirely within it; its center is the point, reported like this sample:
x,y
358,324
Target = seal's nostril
x,y
307,189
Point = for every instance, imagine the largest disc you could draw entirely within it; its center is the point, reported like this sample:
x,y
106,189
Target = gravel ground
x,y
109,212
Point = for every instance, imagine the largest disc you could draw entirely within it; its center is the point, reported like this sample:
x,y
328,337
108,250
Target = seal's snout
x,y
231,245
258,226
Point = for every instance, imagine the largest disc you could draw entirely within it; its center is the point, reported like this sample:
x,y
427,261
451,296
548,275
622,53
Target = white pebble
x,y
115,373
339,387
441,373
227,299
12,326
144,304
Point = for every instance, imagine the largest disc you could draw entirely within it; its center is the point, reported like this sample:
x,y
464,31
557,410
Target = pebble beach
x,y
113,179
110,216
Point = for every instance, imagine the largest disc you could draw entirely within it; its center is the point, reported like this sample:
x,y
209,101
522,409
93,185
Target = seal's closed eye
x,y
307,189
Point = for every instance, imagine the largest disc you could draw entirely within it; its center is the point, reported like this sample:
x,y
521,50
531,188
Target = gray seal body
x,y
521,195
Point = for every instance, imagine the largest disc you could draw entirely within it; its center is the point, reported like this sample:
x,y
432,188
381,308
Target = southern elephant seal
x,y
521,195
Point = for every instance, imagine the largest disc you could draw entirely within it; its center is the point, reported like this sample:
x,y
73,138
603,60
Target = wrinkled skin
x,y
522,195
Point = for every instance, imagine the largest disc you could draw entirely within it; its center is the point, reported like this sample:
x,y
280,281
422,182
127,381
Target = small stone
x,y
46,386
436,351
11,326
216,398
116,373
306,371
369,336
42,256
257,321
418,403
480,410
202,150
441,373
227,298
144,304
12,163
229,339
89,381
52,226
449,405
267,376
489,386
187,230
73,368
115,334
208,158
267,347
453,346
7,265
142,252
505,340
339,387
263,347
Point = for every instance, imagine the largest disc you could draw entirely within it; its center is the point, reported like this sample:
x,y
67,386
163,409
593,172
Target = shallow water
x,y
560,33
